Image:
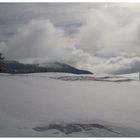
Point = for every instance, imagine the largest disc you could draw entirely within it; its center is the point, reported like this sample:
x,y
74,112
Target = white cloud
x,y
111,31
38,39
41,41
107,40
120,65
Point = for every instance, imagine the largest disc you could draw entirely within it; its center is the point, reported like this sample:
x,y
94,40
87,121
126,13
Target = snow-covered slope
x,y
45,104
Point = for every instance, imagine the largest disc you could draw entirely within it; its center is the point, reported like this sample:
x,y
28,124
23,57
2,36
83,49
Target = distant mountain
x,y
60,67
17,67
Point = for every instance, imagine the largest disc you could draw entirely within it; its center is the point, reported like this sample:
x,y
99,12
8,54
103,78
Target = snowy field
x,y
56,104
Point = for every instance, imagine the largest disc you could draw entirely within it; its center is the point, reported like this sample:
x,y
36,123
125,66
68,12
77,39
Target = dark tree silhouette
x,y
1,62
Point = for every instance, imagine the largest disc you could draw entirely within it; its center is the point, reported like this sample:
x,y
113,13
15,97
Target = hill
x,y
17,67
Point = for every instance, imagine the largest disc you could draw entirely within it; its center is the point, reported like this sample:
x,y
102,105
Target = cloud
x,y
111,31
105,37
41,41
120,65
61,14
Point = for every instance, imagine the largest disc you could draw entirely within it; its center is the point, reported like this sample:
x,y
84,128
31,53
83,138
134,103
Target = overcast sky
x,y
101,37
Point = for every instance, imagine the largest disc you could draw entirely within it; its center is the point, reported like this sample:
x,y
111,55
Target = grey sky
x,y
86,35
67,16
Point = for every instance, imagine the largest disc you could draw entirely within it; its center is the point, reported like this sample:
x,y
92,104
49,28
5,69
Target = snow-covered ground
x,y
58,104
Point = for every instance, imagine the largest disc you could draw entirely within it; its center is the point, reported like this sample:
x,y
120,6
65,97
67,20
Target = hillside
x,y
17,67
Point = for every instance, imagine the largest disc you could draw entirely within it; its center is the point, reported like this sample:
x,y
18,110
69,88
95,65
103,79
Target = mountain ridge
x,y
18,67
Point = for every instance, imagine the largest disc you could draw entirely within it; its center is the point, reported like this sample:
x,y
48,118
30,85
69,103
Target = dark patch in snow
x,y
72,127
91,78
